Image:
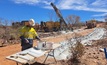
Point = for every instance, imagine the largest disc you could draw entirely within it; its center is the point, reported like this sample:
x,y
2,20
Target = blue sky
x,y
40,10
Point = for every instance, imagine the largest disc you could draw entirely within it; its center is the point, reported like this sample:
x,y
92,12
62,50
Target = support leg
x,y
46,58
54,56
16,63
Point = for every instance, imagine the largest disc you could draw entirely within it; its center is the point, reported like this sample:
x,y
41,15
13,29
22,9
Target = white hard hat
x,y
32,22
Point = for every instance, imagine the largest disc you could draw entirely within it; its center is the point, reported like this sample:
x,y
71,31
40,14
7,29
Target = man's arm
x,y
37,37
21,33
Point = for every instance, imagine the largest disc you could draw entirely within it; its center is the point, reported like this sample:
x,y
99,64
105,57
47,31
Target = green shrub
x,y
76,52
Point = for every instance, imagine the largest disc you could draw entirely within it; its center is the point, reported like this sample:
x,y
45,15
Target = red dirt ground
x,y
11,49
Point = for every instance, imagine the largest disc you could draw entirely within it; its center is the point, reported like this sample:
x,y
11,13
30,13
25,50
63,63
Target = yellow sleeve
x,y
35,33
21,31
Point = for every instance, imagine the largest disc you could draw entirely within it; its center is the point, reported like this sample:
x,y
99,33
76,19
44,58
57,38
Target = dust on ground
x,y
11,49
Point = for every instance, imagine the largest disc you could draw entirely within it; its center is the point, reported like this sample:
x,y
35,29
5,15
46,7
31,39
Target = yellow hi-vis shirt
x,y
28,32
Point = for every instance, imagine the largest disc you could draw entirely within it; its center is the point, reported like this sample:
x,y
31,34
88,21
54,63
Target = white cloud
x,y
100,3
27,1
100,19
48,7
86,5
71,4
33,2
104,14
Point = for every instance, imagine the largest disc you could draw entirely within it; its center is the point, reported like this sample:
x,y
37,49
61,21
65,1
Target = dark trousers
x,y
26,45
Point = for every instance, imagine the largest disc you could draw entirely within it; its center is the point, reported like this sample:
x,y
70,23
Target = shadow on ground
x,y
36,63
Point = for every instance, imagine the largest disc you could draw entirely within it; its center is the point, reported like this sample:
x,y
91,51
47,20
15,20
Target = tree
x,y
73,20
1,23
105,18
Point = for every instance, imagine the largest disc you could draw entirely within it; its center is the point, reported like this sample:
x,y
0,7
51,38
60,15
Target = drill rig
x,y
63,24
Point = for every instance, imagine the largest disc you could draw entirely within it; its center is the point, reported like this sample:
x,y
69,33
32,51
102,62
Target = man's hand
x,y
37,37
26,41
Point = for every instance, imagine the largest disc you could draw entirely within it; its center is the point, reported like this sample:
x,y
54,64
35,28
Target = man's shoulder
x,y
22,28
32,29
